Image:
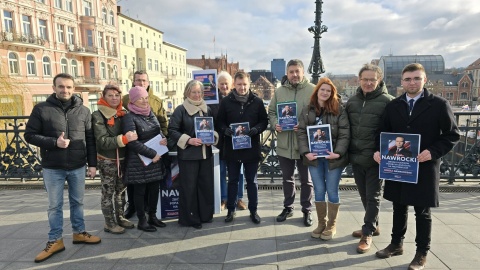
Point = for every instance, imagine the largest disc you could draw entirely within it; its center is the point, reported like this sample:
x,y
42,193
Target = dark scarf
x,y
242,99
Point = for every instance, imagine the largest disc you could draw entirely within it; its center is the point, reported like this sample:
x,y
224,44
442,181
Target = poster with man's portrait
x,y
208,78
319,140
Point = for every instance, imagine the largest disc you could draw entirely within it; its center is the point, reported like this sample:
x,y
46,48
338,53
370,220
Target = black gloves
x,y
228,132
253,131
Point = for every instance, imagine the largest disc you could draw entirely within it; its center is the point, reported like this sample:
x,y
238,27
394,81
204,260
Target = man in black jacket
x,y
62,128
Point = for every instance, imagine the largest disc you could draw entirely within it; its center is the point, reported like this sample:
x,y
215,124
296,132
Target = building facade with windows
x,y
41,38
142,47
278,67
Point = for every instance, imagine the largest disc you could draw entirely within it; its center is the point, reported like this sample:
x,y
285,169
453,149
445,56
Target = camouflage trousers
x,y
113,189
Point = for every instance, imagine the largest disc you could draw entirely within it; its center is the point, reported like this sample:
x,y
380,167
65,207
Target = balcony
x,y
170,93
82,50
168,77
112,54
25,41
87,82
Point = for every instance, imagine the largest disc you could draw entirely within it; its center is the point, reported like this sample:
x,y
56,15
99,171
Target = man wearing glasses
x,y
364,110
418,112
140,78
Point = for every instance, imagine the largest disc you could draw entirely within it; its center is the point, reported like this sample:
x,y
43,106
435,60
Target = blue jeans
x,y
325,181
223,182
234,168
54,181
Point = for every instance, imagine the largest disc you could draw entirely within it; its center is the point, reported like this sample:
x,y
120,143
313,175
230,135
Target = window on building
x,y
47,68
58,4
104,15
112,19
87,7
40,1
141,42
156,65
92,69
103,70
31,70
71,35
63,65
154,46
42,29
13,63
171,56
113,44
74,68
149,64
140,63
100,40
60,30
148,44
39,98
157,87
90,38
161,68
27,24
115,71
8,21
69,5
124,37
125,61
463,95
132,40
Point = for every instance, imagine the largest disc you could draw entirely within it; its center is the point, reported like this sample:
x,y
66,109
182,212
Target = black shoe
x,y
389,251
144,226
129,212
255,218
197,226
153,220
230,216
307,219
286,213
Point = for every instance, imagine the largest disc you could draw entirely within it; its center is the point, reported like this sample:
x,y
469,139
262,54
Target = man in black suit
x,y
399,150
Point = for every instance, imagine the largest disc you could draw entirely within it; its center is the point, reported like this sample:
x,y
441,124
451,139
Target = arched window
x,y
92,69
115,72
47,69
112,19
104,15
74,68
13,63
31,70
63,65
103,71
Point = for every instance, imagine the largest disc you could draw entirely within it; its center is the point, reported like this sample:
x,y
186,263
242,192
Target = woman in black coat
x,y
146,179
241,105
195,159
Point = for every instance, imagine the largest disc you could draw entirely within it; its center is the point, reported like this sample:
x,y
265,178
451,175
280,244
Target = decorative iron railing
x,y
21,161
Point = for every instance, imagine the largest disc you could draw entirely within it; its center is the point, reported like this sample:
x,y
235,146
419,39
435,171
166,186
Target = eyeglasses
x,y
368,80
416,79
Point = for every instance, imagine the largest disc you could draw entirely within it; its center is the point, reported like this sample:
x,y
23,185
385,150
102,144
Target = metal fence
x,y
20,161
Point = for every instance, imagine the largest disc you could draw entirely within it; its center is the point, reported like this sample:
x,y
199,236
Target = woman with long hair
x,y
325,108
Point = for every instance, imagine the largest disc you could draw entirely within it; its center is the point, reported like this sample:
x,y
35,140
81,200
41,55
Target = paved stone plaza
x,y
239,245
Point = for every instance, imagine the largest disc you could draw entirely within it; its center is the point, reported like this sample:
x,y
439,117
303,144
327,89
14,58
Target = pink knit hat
x,y
136,93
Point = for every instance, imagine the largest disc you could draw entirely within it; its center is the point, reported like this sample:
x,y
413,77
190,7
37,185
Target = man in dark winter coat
x,y
365,110
241,105
62,128
417,112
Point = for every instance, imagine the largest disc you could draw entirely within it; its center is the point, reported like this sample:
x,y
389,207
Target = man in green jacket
x,y
140,78
296,89
365,110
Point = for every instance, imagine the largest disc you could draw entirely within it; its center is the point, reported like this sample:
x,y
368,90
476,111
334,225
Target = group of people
x,y
112,139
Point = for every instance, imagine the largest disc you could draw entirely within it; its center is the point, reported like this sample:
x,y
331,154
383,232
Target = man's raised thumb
x,y
61,135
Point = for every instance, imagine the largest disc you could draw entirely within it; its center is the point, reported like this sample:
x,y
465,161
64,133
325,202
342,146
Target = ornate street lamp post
x,y
316,64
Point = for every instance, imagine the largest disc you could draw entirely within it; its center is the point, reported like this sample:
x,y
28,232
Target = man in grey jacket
x,y
365,110
296,89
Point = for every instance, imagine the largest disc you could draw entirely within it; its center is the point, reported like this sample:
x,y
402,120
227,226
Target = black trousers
x,y
423,221
196,202
150,190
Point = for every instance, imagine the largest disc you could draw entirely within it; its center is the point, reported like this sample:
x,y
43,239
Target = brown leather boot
x,y
389,251
364,244
418,262
331,228
359,233
50,249
321,208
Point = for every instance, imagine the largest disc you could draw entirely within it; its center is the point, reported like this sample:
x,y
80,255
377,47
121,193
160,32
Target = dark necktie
x,y
410,106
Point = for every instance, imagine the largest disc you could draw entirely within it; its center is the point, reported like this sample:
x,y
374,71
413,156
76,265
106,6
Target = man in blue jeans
x,y
224,87
61,127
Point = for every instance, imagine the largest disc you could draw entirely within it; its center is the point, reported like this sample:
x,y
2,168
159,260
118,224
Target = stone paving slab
x,y
237,245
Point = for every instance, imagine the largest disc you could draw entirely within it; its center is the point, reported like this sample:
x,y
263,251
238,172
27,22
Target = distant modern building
x,y
256,73
219,63
278,68
392,66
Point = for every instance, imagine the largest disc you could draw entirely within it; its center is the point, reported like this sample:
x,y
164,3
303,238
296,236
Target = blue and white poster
x,y
319,140
169,195
287,115
240,139
204,129
398,152
208,78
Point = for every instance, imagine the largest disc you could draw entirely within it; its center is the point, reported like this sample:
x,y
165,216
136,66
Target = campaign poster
x,y
319,140
208,78
204,129
240,139
169,195
399,153
287,115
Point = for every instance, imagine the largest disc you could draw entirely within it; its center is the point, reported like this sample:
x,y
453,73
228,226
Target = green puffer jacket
x,y
365,113
108,139
287,141
340,131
